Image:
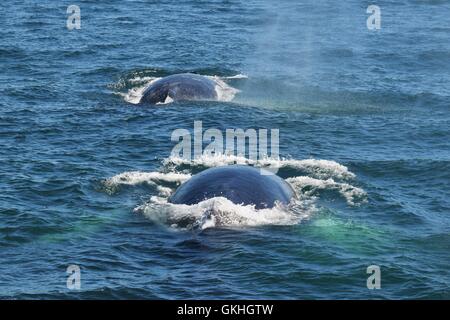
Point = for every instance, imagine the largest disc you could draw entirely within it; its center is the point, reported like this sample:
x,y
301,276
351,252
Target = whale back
x,y
239,184
178,87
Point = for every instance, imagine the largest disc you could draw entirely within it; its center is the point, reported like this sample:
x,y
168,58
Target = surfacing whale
x,y
240,184
177,87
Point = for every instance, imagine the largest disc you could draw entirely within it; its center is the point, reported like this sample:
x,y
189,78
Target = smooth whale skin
x,y
239,184
184,86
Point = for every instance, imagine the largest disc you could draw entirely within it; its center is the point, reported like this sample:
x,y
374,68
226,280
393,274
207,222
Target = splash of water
x,y
220,212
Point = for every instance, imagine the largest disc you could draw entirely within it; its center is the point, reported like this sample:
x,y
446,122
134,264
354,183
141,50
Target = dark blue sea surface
x,y
363,116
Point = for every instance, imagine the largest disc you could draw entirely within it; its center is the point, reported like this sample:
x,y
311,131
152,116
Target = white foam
x,y
238,76
150,178
168,100
164,191
217,212
141,80
353,195
224,91
316,167
138,177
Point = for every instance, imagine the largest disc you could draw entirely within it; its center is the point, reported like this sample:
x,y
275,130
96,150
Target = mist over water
x,y
321,57
363,118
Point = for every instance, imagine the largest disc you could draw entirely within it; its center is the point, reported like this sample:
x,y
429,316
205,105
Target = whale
x,y
244,185
179,87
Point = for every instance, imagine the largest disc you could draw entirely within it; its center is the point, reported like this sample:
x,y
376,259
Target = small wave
x,y
139,84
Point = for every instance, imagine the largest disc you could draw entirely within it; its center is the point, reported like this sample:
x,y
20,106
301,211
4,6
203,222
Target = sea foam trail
x,y
224,91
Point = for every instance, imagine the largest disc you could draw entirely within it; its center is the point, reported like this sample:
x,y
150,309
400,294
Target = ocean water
x,y
363,118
